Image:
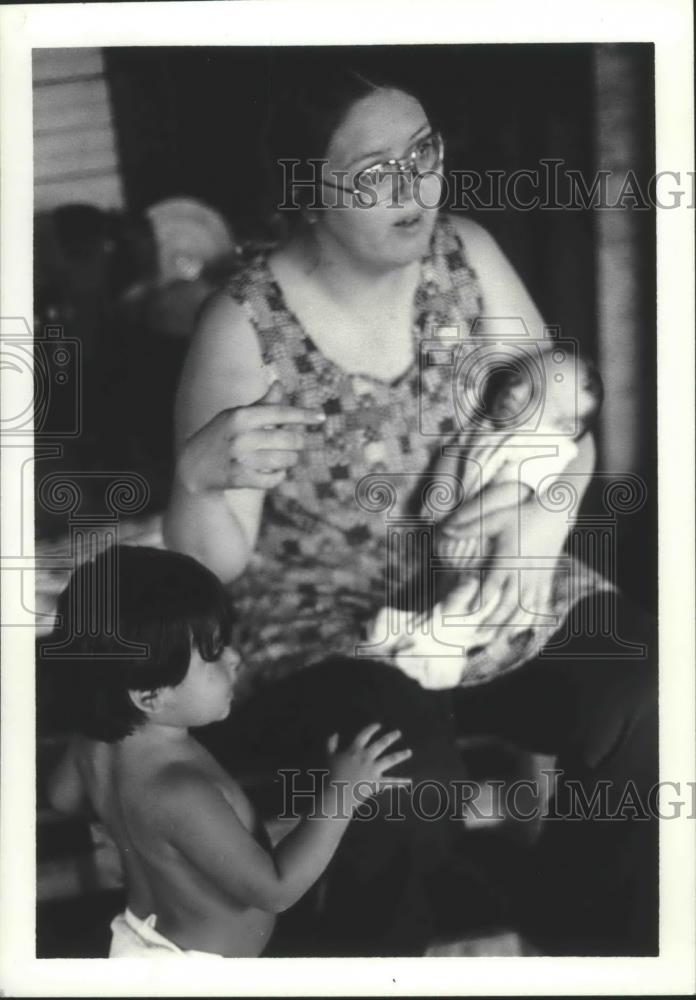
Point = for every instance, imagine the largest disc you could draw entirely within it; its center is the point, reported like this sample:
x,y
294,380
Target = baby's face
x,y
562,403
567,401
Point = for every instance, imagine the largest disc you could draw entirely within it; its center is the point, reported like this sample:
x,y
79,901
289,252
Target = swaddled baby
x,y
524,430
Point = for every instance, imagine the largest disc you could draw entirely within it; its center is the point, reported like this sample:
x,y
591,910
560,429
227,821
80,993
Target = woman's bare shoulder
x,y
504,293
224,366
224,331
477,241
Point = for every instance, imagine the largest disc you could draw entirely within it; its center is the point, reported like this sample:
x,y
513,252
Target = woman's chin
x,y
410,237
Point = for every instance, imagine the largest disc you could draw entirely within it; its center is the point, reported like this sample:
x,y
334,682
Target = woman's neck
x,y
345,279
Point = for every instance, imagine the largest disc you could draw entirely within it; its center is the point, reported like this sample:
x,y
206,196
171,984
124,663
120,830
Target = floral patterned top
x,y
350,528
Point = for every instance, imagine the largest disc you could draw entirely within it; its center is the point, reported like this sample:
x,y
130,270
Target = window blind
x,y
75,155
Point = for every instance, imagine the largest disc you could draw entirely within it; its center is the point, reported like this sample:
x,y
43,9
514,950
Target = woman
x,y
337,315
302,389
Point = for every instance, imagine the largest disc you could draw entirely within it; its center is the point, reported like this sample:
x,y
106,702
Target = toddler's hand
x,y
360,768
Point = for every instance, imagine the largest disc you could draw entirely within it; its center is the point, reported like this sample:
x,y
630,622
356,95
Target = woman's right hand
x,y
246,446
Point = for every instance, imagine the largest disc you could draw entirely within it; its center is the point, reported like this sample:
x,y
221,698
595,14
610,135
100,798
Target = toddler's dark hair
x,y
167,602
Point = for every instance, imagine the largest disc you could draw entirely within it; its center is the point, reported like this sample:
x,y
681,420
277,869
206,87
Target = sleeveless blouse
x,y
350,530
351,524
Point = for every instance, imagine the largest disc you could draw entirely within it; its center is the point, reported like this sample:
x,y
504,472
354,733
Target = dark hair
x,y
593,386
311,93
163,601
513,372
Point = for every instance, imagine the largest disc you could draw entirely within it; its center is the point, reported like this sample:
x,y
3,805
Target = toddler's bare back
x,y
128,790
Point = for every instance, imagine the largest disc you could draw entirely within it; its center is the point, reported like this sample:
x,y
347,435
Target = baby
x,y
201,877
525,421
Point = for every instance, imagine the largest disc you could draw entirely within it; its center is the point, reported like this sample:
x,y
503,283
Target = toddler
x,y
201,877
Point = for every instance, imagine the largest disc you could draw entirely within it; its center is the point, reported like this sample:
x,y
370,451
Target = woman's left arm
x,y
531,530
558,522
504,294
537,536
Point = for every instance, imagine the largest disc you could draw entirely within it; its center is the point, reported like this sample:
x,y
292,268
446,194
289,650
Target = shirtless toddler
x,y
201,878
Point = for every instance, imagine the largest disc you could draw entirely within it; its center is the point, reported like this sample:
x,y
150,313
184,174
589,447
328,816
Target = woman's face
x,y
395,231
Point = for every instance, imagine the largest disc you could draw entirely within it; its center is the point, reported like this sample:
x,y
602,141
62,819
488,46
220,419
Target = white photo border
x,y
667,24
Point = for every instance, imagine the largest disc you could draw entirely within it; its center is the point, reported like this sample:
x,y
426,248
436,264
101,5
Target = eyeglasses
x,y
379,181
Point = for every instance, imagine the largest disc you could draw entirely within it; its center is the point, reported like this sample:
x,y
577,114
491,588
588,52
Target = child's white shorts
x,y
136,938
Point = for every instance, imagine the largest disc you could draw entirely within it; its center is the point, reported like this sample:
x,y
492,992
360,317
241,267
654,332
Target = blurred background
x,y
151,187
